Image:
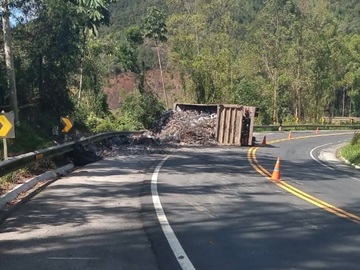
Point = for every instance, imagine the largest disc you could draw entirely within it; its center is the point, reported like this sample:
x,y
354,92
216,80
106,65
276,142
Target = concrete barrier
x,y
50,175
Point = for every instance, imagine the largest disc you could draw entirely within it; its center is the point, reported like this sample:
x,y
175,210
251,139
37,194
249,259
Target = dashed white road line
x,y
318,161
174,243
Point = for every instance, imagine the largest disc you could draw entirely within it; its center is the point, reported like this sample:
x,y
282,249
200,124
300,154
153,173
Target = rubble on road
x,y
171,130
186,128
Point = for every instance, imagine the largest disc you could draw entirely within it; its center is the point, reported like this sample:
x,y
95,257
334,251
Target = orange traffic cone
x,y
264,141
290,136
276,173
317,130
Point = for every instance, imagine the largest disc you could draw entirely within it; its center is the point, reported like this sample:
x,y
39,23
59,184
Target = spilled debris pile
x,y
172,129
186,128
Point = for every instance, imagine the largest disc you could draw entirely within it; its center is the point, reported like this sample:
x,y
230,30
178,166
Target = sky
x,y
14,13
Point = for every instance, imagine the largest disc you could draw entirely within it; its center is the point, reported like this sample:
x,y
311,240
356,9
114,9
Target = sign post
x,y
5,149
6,129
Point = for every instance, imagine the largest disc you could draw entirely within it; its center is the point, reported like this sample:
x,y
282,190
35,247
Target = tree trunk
x,y
80,81
162,77
82,66
9,60
141,84
275,97
343,103
275,112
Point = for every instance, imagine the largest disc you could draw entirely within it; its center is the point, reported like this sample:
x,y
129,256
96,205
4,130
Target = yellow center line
x,y
251,155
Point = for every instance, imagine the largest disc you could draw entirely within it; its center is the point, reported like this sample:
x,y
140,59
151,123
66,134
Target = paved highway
x,y
199,208
89,220
222,214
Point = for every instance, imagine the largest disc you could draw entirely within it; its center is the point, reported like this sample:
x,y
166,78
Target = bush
x,y
356,139
139,111
98,125
142,110
27,139
352,151
127,123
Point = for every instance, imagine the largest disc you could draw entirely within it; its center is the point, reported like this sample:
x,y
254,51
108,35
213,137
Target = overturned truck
x,y
234,123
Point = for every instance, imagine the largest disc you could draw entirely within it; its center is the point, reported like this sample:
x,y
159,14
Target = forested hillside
x,y
130,12
290,58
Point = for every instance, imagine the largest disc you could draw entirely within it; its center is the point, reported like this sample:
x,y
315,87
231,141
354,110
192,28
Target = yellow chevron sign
x,y
7,125
67,124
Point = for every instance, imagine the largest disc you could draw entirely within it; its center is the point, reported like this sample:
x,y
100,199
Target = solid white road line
x,y
174,243
318,161
73,258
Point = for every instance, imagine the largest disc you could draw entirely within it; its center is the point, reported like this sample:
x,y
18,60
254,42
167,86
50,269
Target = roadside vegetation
x,y
293,59
351,152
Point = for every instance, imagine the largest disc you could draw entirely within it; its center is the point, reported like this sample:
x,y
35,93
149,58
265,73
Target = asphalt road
x,y
224,215
215,208
90,219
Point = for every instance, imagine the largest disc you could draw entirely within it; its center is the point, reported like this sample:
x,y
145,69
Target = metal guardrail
x,y
304,127
14,163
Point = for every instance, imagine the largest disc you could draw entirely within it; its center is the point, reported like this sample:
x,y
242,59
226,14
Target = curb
x,y
50,175
357,167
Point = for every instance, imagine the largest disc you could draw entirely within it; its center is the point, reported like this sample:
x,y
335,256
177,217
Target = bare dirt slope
x,y
124,84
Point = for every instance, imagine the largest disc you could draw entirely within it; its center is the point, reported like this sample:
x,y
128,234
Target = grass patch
x,y
19,176
28,138
351,152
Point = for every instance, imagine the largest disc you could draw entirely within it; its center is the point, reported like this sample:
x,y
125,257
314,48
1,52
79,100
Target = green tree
x,y
9,58
53,55
143,109
50,55
346,70
320,34
354,75
203,46
93,14
270,36
154,27
130,53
